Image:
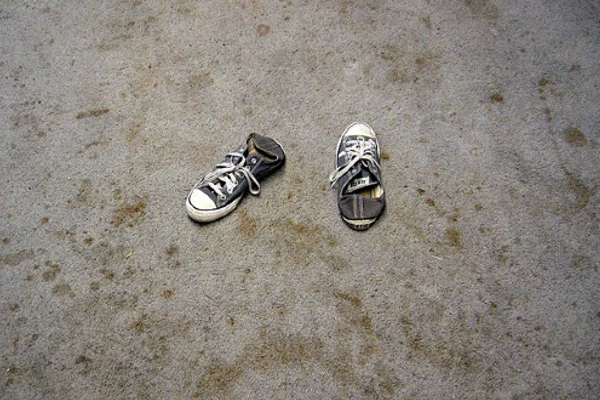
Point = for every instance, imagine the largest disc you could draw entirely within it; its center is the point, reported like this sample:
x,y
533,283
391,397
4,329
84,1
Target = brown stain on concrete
x,y
351,308
247,225
129,214
85,190
63,289
453,235
574,137
406,66
92,113
580,190
277,350
51,273
274,351
171,256
298,243
485,9
262,29
201,81
16,258
497,98
107,274
450,349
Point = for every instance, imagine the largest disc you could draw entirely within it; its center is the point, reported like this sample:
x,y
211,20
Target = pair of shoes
x,y
361,199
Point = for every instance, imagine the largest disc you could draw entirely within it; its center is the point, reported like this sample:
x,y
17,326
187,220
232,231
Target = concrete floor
x,y
480,281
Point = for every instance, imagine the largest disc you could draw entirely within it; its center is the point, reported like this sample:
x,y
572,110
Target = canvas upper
x,y
361,198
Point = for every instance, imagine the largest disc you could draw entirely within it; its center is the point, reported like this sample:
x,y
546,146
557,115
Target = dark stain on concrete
x,y
351,308
107,274
129,214
485,9
446,352
201,81
408,67
171,255
63,289
85,189
426,19
303,241
85,364
51,273
542,83
247,225
579,189
172,250
92,113
575,137
453,235
497,98
13,259
275,350
501,254
262,29
336,263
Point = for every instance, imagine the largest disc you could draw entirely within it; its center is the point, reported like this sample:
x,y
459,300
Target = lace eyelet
x,y
222,197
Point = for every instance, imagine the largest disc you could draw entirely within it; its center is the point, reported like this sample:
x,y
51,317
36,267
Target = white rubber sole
x,y
210,215
359,224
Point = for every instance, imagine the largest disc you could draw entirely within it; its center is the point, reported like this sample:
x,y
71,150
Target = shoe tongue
x,y
241,150
363,179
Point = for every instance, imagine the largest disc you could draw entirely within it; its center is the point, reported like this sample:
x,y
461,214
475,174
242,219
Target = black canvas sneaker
x,y
220,191
361,198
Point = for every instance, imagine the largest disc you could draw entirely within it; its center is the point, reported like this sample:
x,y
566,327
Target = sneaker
x,y
361,198
220,191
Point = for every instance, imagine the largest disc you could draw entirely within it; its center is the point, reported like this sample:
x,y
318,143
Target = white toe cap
x,y
201,200
360,129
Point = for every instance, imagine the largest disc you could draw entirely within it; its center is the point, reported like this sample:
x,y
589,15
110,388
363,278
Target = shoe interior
x,y
252,148
371,192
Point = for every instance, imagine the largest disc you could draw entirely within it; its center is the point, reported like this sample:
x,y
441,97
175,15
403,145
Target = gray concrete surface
x,y
480,281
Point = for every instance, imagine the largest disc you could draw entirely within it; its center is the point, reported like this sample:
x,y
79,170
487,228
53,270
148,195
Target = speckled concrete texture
x,y
480,280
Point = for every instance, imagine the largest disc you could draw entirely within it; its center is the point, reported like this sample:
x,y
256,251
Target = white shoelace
x,y
227,173
357,150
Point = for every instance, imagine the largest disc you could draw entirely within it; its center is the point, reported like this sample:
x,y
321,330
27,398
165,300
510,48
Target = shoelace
x,y
228,173
359,150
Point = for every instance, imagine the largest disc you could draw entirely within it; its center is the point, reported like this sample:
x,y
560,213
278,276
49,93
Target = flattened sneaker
x,y
220,191
361,198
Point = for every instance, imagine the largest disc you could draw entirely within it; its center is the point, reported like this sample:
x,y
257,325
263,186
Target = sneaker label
x,y
359,183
